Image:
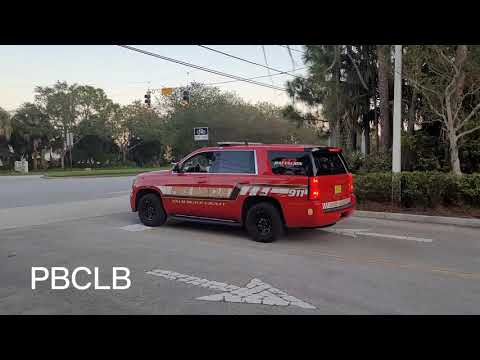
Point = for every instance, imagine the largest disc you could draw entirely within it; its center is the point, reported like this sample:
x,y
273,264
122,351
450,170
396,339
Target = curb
x,y
444,220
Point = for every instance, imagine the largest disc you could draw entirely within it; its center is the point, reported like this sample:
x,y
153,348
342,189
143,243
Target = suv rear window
x,y
329,163
290,163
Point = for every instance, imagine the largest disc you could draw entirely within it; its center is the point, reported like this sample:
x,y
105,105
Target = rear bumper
x,y
313,214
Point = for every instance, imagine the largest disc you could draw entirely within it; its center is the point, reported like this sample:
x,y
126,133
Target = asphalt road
x,y
16,191
359,266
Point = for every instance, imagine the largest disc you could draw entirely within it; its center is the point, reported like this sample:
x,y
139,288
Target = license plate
x,y
338,189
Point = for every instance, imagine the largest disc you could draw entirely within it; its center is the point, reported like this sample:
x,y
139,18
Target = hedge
x,y
420,189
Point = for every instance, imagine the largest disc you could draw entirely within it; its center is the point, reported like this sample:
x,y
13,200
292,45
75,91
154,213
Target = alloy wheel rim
x,y
263,223
149,210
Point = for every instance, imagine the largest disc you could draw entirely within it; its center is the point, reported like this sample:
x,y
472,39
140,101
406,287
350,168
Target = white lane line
x,y
364,232
400,237
346,232
136,227
255,292
118,192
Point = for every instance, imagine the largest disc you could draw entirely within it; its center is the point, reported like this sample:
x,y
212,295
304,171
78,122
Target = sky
x,y
126,75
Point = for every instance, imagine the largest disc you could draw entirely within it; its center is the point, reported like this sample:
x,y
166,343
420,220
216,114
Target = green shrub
x,y
428,189
373,187
469,189
420,189
377,162
355,160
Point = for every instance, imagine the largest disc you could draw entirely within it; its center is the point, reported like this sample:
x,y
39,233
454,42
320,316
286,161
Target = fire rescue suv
x,y
264,188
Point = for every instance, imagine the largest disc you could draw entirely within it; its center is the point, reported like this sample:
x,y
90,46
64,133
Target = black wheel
x,y
150,210
264,223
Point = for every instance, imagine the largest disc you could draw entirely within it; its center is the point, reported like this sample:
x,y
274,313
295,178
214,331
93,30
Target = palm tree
x,y
384,60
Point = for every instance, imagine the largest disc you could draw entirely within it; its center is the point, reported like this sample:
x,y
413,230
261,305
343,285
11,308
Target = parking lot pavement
x,y
347,271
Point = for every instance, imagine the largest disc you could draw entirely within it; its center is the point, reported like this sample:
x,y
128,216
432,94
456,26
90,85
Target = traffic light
x,y
148,99
186,97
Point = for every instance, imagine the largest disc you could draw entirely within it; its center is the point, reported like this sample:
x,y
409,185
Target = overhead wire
x,y
247,61
216,72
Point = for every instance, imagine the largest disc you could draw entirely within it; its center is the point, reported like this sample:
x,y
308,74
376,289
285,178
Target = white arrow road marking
x,y
255,292
364,232
136,227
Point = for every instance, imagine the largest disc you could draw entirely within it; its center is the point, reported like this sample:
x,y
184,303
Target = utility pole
x,y
397,112
397,128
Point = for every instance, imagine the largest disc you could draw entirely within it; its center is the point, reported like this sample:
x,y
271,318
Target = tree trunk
x,y
63,159
34,155
383,56
339,131
366,133
454,159
353,138
452,103
34,161
412,113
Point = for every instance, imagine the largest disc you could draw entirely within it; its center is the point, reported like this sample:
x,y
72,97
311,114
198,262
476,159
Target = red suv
x,y
264,188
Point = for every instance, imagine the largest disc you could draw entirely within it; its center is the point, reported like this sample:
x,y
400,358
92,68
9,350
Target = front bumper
x,y
133,205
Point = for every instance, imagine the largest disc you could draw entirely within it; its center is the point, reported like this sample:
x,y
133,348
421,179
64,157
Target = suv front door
x,y
187,190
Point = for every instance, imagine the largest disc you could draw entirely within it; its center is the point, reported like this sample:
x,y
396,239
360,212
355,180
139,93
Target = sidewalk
x,y
444,220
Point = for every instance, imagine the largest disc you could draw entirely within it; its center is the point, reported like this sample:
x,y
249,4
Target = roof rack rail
x,y
231,143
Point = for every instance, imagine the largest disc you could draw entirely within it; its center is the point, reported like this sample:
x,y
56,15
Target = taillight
x,y
314,188
350,183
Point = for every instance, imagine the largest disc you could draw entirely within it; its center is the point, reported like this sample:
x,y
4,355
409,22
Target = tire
x,y
150,210
264,223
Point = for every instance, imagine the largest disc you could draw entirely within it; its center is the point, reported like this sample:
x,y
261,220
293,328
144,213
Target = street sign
x,y
200,133
167,91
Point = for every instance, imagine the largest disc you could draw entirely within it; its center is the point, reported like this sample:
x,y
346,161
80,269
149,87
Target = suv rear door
x,y
232,169
332,180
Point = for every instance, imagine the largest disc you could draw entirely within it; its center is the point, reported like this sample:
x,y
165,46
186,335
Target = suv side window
x,y
290,163
200,163
234,162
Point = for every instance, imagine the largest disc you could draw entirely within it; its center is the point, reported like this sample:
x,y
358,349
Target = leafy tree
x,y
59,103
32,132
84,110
228,119
5,133
384,54
447,77
144,128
